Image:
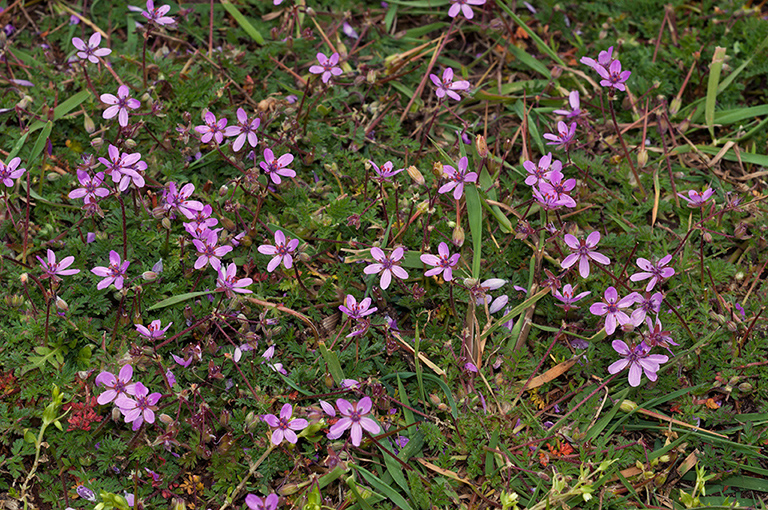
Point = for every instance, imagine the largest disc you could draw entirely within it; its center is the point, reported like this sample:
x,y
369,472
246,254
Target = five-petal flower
x,y
355,419
638,359
387,265
114,273
443,262
446,86
285,427
584,252
119,105
457,178
328,66
90,50
282,251
53,269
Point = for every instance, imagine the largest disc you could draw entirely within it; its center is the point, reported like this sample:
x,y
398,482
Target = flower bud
x,y
434,399
437,169
223,190
14,301
24,277
228,224
130,143
707,237
97,142
642,158
414,173
288,489
732,327
675,106
166,419
745,387
61,305
458,236
179,504
149,276
328,380
481,146
88,124
166,223
627,406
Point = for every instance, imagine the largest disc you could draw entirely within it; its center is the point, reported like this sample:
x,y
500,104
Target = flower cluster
x,y
548,184
133,399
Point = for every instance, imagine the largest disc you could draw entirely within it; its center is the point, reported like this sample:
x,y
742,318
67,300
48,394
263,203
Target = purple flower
x,y
567,297
443,263
328,66
10,172
604,60
53,269
384,173
116,386
446,86
648,304
611,307
638,359
212,128
181,361
479,291
355,310
697,198
251,500
575,111
154,331
158,15
386,265
555,186
464,7
656,272
124,168
354,419
275,168
244,130
547,202
540,172
86,493
114,273
209,250
457,178
656,335
613,76
227,281
178,199
564,137
91,50
119,105
284,426
139,409
282,252
584,252
91,187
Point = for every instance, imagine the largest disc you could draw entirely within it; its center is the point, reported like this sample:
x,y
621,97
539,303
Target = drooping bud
x,y
481,146
628,406
458,236
415,174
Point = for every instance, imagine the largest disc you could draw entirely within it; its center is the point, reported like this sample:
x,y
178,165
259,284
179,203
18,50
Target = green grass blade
x,y
178,299
533,35
380,486
475,214
714,78
243,21
334,367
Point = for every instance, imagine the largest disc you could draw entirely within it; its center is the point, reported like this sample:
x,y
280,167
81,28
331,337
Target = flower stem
x,y
626,152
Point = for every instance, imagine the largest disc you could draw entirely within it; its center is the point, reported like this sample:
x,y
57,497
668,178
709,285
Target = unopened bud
x,y
24,277
116,414
716,316
414,173
179,504
149,276
442,407
166,223
437,169
328,380
14,301
88,124
707,237
228,224
52,177
370,76
642,158
732,327
458,236
130,143
288,489
675,106
97,142
251,420
745,387
434,399
628,406
223,190
481,146
61,305
166,419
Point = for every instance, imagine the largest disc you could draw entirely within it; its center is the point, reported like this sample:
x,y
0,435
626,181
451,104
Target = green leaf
x,y
385,489
243,21
475,214
714,78
334,367
178,299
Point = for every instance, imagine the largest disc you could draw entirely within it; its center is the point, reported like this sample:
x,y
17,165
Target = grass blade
x,y
475,214
718,59
243,21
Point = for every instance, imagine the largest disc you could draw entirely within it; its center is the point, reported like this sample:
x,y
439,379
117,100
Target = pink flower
x,y
697,198
457,178
464,7
540,172
282,252
139,409
443,263
244,130
181,361
328,66
575,111
656,272
604,60
124,168
114,273
611,307
209,250
384,173
285,426
212,128
648,304
119,105
158,15
656,335
613,76
354,419
91,187
446,86
355,310
227,281
567,297
555,186
275,168
91,50
638,359
9,172
564,137
270,502
386,265
584,252
479,291
154,331
116,386
53,269
178,199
